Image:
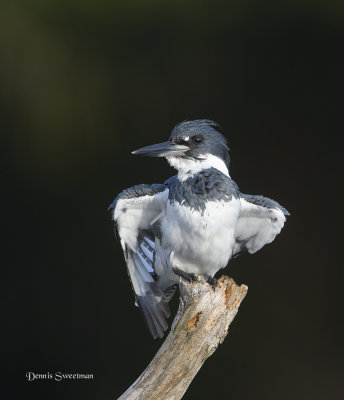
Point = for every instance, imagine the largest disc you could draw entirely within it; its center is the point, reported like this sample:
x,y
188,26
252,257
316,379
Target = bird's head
x,y
192,146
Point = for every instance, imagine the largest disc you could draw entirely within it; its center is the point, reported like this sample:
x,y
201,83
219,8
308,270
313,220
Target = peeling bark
x,y
200,325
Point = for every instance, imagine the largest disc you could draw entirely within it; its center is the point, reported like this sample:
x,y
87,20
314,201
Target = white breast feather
x,y
201,243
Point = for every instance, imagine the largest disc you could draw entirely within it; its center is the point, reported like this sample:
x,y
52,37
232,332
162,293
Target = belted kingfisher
x,y
194,223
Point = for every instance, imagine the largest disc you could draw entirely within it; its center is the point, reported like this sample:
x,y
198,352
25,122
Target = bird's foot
x,y
212,281
186,275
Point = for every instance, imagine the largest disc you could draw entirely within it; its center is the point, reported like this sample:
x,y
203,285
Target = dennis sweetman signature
x,y
57,376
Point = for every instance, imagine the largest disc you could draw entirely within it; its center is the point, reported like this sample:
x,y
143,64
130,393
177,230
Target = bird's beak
x,y
166,149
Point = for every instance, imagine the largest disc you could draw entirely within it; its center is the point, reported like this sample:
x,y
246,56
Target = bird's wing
x,y
260,221
136,212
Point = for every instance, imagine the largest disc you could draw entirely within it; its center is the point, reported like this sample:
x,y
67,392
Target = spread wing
x,y
260,221
135,212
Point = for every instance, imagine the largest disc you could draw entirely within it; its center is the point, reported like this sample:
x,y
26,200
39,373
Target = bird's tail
x,y
150,298
155,310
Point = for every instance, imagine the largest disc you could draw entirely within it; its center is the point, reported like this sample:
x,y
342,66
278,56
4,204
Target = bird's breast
x,y
201,241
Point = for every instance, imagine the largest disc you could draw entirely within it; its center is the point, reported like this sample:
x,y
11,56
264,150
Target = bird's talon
x,y
213,282
190,277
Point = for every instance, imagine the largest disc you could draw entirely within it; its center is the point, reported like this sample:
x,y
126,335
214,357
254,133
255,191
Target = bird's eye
x,y
197,139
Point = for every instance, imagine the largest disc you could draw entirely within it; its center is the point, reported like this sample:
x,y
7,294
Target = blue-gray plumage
x,y
194,223
208,185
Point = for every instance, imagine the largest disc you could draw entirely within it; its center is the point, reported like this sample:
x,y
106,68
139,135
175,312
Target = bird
x,y
192,224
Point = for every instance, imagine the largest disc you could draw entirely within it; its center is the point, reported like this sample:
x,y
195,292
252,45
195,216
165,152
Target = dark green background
x,y
83,83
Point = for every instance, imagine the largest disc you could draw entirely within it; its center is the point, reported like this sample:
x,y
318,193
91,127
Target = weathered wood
x,y
200,325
